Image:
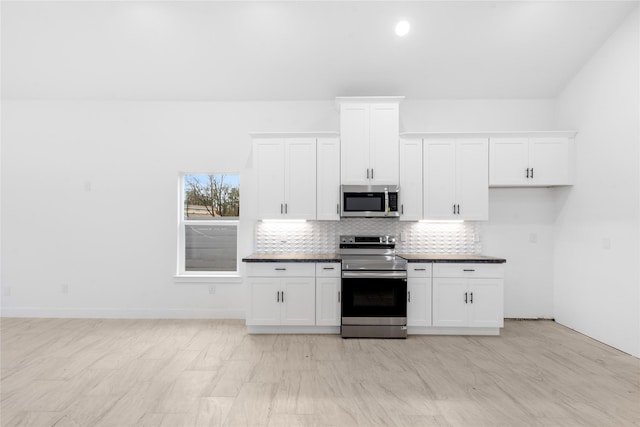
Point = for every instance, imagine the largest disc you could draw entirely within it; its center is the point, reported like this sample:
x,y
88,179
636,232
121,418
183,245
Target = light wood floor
x,y
173,373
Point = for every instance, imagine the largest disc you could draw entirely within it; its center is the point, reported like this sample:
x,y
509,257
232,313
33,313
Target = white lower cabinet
x,y
281,294
419,294
442,298
468,295
328,288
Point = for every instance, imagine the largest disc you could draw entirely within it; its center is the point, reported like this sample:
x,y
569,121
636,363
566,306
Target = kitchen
x,y
106,169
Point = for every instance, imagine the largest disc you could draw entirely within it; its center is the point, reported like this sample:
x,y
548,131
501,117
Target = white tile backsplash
x,y
322,236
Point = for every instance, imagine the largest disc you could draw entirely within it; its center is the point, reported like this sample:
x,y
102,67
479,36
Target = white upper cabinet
x,y
456,178
286,174
328,187
549,161
269,164
369,133
410,179
520,161
472,178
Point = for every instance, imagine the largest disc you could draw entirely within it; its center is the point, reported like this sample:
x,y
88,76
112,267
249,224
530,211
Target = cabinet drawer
x,y
419,269
468,270
281,269
328,269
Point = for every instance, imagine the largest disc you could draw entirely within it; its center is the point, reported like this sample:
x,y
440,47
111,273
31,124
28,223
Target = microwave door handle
x,y
386,200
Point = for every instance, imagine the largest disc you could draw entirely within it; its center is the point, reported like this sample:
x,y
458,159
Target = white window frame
x,y
202,276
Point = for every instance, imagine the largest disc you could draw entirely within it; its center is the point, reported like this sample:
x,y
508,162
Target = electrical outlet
x,y
212,289
403,236
533,238
64,288
6,291
476,237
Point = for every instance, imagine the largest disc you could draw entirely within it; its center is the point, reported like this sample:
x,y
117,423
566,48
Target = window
x,y
209,225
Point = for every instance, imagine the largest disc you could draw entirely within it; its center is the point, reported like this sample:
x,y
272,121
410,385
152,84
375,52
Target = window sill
x,y
227,278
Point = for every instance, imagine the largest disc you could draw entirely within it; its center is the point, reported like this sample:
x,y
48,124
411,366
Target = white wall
x,y
520,226
90,199
597,278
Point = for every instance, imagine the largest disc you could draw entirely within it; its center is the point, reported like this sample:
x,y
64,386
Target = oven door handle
x,y
374,274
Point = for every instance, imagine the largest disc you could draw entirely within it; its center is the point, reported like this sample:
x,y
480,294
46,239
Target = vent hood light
x,y
402,28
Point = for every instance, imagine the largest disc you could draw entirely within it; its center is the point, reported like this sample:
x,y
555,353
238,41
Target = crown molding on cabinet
x,y
531,133
317,134
368,99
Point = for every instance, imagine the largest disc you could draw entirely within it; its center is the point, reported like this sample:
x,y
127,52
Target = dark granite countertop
x,y
292,258
470,258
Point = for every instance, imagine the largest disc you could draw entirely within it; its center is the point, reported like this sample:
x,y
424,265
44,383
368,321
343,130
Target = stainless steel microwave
x,y
369,201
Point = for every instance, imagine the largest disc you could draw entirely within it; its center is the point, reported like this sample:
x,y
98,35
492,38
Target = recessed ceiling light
x,y
402,28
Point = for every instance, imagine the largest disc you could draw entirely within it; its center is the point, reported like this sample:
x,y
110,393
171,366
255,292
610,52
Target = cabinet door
x,y
269,164
328,188
264,301
354,143
328,301
508,161
472,178
383,143
549,161
439,178
419,301
485,306
299,306
449,306
410,180
300,179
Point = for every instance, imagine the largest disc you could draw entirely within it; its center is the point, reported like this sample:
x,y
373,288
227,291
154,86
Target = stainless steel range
x,y
374,288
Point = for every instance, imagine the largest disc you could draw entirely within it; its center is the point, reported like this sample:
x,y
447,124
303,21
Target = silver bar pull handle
x,y
281,209
531,172
409,293
527,172
339,296
371,173
328,268
367,173
278,296
468,269
465,297
338,208
282,297
285,208
471,297
419,269
374,275
280,269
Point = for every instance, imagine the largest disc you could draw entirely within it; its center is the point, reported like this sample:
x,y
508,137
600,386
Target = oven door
x,y
374,298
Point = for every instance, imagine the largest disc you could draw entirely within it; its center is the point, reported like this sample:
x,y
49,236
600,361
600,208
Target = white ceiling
x,y
298,50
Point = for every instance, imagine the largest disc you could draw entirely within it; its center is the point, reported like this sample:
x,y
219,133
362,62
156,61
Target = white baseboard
x,y
119,313
432,330
256,329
